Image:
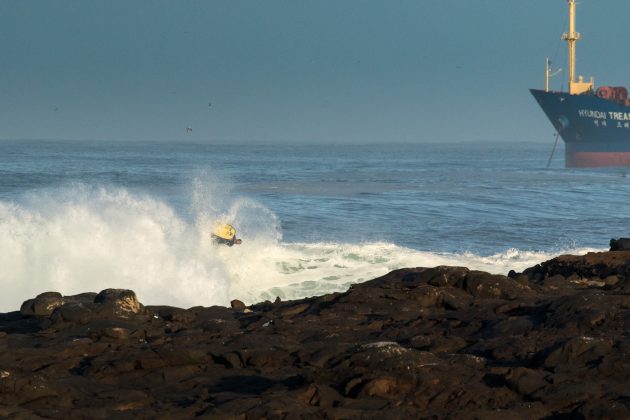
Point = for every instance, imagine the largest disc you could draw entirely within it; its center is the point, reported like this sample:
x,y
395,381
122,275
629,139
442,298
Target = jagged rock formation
x,y
443,342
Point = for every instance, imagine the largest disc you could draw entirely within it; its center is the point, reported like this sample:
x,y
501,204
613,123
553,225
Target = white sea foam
x,y
293,271
81,238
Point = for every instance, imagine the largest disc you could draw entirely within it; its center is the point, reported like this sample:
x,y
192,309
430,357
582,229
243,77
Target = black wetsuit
x,y
223,241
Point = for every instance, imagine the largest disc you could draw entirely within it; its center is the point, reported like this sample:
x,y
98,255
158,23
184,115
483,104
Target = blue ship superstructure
x,y
594,124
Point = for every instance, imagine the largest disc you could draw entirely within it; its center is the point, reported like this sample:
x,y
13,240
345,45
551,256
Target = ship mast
x,y
579,86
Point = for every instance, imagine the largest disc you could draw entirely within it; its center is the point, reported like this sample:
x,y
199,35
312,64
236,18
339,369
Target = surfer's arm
x,y
228,242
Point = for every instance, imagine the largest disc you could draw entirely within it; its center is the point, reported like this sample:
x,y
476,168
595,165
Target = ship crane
x,y
576,87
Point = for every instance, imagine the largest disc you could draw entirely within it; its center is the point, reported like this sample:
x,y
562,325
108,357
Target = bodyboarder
x,y
225,235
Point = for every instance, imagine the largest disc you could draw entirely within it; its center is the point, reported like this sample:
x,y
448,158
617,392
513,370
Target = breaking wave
x,y
82,238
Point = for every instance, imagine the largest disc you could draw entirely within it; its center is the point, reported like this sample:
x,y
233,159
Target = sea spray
x,y
80,238
212,201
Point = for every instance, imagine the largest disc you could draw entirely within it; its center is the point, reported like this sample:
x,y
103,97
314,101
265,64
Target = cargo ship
x,y
594,123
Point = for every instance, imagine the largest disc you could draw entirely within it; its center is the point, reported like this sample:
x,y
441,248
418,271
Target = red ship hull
x,y
596,159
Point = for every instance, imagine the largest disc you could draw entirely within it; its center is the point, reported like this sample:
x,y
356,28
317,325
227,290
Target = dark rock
x,y
73,312
510,326
580,351
171,314
379,387
443,342
292,310
118,302
237,305
526,381
444,276
43,305
232,360
621,244
480,284
50,295
320,395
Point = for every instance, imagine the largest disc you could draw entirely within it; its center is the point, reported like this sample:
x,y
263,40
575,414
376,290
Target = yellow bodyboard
x,y
224,231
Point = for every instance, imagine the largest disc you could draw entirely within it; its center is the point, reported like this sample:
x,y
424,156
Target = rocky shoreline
x,y
443,342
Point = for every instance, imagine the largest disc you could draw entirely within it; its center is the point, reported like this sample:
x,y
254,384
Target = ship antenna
x,y
549,74
576,87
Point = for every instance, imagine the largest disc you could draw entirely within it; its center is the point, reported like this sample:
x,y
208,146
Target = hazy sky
x,y
292,70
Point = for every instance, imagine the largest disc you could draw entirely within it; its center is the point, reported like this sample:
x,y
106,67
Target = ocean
x,y
85,216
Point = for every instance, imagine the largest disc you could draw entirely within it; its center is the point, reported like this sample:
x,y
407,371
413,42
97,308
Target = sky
x,y
319,71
